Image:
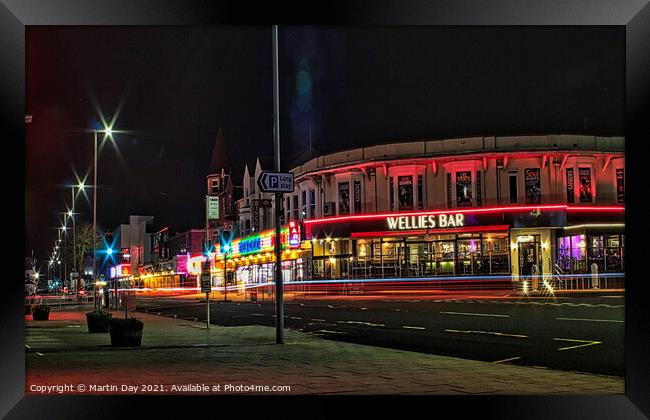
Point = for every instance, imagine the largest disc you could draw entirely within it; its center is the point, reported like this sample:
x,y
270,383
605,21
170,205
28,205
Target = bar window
x,y
295,207
479,197
304,204
449,190
512,182
391,193
420,193
312,203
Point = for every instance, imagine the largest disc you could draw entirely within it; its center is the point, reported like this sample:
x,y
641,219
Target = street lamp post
x,y
95,225
74,244
225,274
65,254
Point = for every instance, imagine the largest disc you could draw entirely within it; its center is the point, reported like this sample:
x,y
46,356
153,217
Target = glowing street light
x,y
108,132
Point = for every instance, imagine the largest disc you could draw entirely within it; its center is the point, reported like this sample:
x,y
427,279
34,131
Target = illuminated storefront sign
x,y
194,264
294,233
263,242
182,263
427,221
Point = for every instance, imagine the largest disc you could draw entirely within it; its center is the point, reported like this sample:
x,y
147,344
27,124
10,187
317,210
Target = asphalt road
x,y
584,334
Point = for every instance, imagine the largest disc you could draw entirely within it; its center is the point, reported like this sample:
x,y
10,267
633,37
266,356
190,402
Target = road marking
x,y
363,309
413,328
318,319
488,332
361,323
295,317
40,354
588,343
27,345
469,313
330,306
331,332
589,319
507,360
74,326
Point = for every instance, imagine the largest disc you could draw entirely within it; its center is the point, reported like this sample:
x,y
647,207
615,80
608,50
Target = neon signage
x,y
294,234
263,242
426,221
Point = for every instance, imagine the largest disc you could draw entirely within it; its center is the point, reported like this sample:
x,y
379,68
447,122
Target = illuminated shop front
x,y
580,246
517,240
251,259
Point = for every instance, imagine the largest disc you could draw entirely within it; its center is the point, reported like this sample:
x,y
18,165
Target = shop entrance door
x,y
530,258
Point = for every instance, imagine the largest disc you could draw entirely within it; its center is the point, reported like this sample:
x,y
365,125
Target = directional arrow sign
x,y
275,182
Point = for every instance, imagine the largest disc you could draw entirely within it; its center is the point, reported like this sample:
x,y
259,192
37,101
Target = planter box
x,y
126,334
98,323
40,315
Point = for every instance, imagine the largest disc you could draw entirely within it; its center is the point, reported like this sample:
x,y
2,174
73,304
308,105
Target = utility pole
x,y
279,292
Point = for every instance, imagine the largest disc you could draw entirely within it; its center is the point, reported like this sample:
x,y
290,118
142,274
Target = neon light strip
x,y
472,210
595,209
595,225
427,279
431,231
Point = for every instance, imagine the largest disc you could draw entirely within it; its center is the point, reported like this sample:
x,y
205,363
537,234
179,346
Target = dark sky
x,y
343,87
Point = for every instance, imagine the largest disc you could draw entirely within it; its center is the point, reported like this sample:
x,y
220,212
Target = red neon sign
x,y
379,234
471,210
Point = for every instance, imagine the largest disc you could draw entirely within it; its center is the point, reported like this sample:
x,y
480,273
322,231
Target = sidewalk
x,y
177,352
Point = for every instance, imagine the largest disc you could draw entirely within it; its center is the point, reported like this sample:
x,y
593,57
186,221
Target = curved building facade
x,y
520,206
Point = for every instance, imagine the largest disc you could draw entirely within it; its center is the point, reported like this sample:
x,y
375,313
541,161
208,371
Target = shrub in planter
x,y
40,313
126,332
98,321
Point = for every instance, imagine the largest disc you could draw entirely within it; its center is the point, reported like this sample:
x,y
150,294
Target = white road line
x,y
488,332
331,332
295,317
363,309
318,319
468,313
413,328
589,319
507,360
360,323
27,345
40,354
587,343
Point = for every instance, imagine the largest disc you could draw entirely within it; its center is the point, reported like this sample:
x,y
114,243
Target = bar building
x,y
455,207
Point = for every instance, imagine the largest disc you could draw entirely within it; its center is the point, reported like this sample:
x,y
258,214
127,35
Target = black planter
x,y
98,322
41,314
126,332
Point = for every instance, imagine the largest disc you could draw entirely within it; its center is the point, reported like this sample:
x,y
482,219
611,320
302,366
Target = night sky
x,y
340,87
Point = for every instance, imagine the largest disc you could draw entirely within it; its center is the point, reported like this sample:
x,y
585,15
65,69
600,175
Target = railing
x,y
59,300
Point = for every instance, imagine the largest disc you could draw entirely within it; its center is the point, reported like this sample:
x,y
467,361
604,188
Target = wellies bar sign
x,y
426,221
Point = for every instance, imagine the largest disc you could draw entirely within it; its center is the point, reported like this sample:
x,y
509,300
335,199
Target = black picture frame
x,y
632,16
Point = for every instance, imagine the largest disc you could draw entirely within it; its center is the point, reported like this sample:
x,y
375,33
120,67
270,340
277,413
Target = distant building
x,y
221,195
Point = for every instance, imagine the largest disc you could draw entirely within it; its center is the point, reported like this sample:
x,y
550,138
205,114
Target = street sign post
x,y
277,182
206,287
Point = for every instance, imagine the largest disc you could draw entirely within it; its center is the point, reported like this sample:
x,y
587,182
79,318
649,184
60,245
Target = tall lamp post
x,y
107,133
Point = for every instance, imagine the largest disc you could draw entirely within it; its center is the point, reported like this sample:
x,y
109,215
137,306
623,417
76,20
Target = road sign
x,y
275,182
206,283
